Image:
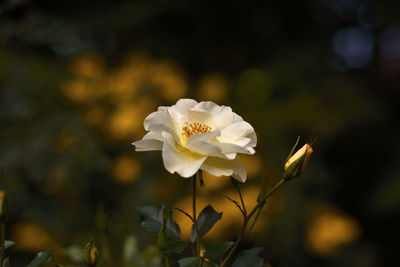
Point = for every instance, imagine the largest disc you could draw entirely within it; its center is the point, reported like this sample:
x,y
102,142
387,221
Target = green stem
x,y
2,240
166,261
246,219
195,216
236,244
255,219
262,202
241,200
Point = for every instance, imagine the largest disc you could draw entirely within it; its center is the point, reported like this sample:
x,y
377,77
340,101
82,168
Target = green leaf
x,y
207,218
249,257
8,244
42,258
189,262
151,218
218,250
175,246
6,262
208,264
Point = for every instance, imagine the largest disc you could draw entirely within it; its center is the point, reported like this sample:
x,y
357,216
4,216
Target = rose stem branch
x,y
246,219
262,202
242,232
194,214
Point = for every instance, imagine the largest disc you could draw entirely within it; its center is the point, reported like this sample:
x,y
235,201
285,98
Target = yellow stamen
x,y
192,128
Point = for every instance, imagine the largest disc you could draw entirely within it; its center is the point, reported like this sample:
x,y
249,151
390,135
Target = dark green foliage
x,y
189,262
249,257
207,218
151,218
42,258
218,250
176,246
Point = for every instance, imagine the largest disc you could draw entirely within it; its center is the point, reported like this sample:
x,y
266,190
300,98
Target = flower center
x,y
192,128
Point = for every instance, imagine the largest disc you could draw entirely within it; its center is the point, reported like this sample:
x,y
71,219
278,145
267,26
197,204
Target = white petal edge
x,y
148,145
183,105
218,167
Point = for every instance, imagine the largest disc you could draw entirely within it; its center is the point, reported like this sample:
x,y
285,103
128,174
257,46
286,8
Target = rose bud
x,y
90,254
296,163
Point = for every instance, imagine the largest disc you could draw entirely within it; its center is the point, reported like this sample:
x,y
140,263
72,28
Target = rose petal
x,y
161,121
148,145
227,148
236,131
185,163
183,105
218,167
153,135
202,144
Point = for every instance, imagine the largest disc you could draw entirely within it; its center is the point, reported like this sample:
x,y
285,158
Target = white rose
x,y
195,136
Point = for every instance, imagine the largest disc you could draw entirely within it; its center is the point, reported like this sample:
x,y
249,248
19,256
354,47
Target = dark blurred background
x,y
77,78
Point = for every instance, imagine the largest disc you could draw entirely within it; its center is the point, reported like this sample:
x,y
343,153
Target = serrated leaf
x,y
6,262
189,262
208,264
206,220
151,218
218,250
8,243
175,246
42,258
249,257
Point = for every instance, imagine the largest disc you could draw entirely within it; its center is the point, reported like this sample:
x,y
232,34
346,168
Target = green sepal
x,y
293,148
90,254
263,191
294,169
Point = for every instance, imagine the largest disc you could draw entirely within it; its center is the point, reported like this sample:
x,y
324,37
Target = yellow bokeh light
x,y
126,122
117,101
213,87
125,170
31,237
329,229
253,164
94,116
88,65
213,182
78,90
171,80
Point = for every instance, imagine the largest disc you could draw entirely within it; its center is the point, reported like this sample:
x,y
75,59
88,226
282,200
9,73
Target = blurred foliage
x,y
78,78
